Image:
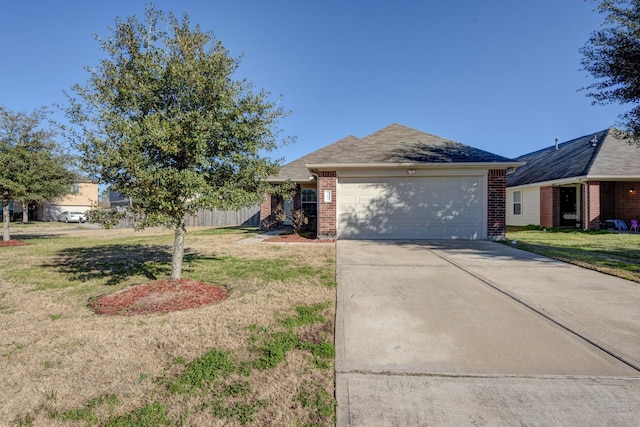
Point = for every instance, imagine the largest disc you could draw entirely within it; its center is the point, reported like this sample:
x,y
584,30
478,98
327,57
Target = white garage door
x,y
411,208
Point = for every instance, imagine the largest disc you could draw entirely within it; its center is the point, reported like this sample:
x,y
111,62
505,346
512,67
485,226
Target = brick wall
x,y
266,207
626,201
297,199
594,205
556,207
546,207
496,203
327,210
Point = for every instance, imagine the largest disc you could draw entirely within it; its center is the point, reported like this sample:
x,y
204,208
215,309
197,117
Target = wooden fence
x,y
212,218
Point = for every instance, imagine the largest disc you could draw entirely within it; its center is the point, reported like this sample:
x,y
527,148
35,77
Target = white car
x,y
67,216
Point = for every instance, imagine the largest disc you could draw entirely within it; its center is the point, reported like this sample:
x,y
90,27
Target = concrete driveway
x,y
478,333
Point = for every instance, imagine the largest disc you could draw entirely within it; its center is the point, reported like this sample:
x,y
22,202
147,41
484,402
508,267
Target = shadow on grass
x,y
118,262
19,236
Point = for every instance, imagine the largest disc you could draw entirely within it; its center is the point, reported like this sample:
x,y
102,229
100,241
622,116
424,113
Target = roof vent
x,y
594,141
556,144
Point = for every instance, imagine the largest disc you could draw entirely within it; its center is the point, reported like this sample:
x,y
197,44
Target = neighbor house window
x,y
517,202
309,201
75,188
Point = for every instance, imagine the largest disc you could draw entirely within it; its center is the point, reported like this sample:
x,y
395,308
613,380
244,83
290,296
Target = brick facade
x,y
593,208
546,207
327,211
617,200
496,203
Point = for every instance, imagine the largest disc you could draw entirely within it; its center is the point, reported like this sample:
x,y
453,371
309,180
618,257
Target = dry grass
x,y
56,355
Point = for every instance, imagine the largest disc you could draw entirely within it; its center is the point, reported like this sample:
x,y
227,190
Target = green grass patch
x,y
87,412
245,231
266,269
273,346
201,372
153,414
617,254
306,315
321,406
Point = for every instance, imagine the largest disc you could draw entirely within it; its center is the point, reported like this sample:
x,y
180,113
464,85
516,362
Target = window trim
x,y
304,202
517,205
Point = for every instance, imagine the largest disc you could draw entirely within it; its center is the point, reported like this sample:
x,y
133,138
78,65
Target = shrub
x,y
274,219
298,220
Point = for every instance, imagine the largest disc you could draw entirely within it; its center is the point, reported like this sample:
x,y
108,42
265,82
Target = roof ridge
x,y
598,145
552,147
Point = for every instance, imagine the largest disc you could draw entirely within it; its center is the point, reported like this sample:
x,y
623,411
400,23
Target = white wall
x,y
530,212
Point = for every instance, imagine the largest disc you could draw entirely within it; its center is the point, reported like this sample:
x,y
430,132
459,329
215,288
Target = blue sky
x,y
499,75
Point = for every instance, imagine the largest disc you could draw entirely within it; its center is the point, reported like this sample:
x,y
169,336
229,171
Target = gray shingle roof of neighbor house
x,y
393,145
604,155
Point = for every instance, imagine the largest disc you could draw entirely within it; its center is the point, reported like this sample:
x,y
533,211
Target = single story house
x,y
398,183
591,182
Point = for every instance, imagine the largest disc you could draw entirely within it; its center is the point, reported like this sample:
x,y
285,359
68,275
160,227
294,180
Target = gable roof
x,y
393,145
608,154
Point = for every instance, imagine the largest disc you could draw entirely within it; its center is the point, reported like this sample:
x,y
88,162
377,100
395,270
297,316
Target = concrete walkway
x,y
477,333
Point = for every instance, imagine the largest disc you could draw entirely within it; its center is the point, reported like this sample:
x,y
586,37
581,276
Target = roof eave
x,y
451,165
297,180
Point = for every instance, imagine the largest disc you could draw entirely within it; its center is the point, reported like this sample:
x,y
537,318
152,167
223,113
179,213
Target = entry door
x,y
568,208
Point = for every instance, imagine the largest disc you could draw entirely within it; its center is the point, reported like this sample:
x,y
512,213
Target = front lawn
x,y
264,356
617,254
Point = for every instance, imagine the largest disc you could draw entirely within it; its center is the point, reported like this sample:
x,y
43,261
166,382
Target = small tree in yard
x,y
162,121
33,168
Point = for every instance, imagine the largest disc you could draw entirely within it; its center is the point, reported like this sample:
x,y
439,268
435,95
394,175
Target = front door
x,y
568,208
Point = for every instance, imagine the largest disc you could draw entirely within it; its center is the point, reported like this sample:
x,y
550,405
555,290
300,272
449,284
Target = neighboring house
x,y
398,183
83,197
118,200
582,183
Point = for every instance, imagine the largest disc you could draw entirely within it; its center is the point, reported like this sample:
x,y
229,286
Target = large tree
x,y
612,56
163,121
33,167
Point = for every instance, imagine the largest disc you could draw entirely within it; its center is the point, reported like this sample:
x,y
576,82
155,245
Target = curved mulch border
x,y
12,242
162,296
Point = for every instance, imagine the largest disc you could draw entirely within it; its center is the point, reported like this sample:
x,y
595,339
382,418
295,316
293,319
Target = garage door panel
x,y
411,208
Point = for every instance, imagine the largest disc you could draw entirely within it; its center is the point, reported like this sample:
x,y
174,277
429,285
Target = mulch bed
x,y
162,296
12,242
295,238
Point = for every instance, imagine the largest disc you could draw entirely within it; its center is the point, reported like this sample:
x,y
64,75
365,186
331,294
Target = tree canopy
x,y
612,56
162,121
34,168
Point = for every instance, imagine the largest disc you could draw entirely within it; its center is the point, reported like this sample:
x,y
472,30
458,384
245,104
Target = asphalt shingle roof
x,y
605,154
391,145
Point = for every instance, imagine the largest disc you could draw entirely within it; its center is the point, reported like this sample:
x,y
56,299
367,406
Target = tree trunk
x,y
25,213
5,223
178,252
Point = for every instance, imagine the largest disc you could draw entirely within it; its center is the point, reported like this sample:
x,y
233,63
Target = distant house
x,y
118,200
83,197
397,183
591,182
